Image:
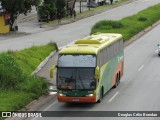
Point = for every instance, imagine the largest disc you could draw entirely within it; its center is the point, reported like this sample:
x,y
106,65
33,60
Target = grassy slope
x,y
30,58
17,87
130,25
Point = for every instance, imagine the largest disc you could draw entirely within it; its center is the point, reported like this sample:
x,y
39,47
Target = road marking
x,y
113,96
141,68
156,51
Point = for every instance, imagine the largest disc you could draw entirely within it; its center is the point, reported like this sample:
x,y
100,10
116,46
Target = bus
x,y
89,68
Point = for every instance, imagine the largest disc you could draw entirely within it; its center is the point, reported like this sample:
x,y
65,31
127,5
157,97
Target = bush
x,y
34,84
107,25
131,25
17,87
142,19
10,72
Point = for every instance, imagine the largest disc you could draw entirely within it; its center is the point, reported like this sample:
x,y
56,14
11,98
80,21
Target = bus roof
x,y
91,44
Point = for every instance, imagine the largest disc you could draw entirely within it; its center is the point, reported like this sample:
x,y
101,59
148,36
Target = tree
x,y
53,8
60,5
48,8
111,1
16,7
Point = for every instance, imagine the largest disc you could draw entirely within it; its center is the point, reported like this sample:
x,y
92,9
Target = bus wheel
x,y
101,96
117,82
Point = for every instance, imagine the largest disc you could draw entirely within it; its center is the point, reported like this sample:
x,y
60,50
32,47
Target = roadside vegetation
x,y
131,25
17,86
86,13
30,58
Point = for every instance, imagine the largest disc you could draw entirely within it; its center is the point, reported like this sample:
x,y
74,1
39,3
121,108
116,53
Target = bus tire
x,y
117,82
101,96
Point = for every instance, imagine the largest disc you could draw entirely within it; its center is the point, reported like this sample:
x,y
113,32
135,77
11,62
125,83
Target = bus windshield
x,y
75,78
77,60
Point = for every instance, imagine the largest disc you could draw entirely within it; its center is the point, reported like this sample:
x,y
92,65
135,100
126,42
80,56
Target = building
x,y
4,22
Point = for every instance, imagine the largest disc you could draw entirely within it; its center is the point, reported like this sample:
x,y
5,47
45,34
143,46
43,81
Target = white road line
x,y
156,51
141,68
113,96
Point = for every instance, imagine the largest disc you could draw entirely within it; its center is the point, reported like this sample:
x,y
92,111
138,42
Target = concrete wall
x,y
3,29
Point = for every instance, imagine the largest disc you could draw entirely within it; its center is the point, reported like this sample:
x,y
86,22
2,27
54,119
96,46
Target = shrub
x,y
108,24
10,72
142,19
131,25
34,84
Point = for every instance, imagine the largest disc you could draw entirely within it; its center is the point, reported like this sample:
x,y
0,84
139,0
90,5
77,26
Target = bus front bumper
x,y
87,99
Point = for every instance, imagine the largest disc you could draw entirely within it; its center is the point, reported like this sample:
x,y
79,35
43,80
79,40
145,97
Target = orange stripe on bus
x,y
119,68
91,99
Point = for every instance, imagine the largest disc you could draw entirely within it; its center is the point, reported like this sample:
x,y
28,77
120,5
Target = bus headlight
x,y
89,95
60,94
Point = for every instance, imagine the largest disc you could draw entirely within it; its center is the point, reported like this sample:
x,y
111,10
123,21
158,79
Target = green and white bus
x,y
89,68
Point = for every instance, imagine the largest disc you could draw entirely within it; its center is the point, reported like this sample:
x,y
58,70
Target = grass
x,y
30,58
17,86
131,25
9,98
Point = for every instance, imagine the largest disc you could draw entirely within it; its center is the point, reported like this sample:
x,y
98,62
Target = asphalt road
x,y
67,33
139,87
29,24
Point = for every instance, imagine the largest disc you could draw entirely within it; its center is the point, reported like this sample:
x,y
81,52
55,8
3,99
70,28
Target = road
x,y
30,24
67,33
139,87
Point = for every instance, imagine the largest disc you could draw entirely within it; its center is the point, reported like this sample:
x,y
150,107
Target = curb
x,y
44,62
140,34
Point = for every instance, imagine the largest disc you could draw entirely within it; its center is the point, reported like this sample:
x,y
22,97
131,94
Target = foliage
x,y
52,8
108,24
48,8
16,7
30,58
10,72
16,87
142,19
131,25
14,100
60,5
34,84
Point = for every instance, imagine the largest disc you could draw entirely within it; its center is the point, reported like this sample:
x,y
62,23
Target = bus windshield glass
x,y
75,78
77,61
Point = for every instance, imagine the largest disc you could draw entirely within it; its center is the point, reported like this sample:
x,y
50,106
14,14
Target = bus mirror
x,y
97,73
51,71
